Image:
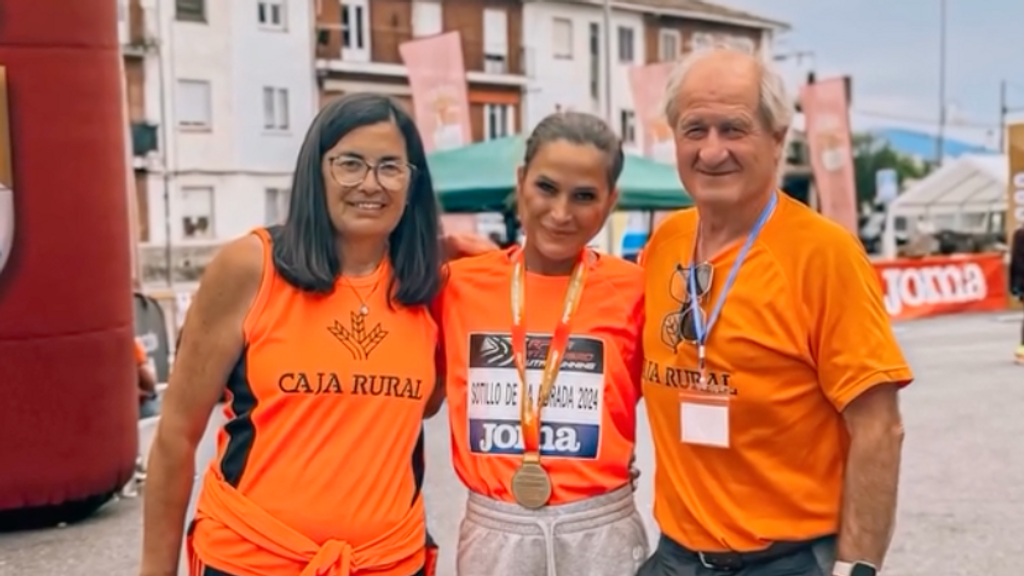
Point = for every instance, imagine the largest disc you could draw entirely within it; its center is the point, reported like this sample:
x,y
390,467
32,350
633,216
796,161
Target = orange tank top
x,y
588,425
325,430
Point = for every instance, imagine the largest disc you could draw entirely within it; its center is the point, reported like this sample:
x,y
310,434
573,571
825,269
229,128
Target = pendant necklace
x,y
364,310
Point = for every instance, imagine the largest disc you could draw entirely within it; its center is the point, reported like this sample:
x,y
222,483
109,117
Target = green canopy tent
x,y
481,178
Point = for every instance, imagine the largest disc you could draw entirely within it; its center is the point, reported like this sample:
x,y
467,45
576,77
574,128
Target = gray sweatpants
x,y
599,536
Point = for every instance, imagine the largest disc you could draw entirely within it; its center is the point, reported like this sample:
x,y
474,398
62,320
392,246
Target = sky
x,y
891,49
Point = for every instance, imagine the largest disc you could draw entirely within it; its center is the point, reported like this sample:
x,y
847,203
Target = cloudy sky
x,y
891,48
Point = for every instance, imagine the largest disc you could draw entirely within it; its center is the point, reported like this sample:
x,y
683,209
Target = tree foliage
x,y
870,155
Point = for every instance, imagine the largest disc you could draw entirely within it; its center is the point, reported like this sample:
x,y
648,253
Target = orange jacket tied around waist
x,y
223,504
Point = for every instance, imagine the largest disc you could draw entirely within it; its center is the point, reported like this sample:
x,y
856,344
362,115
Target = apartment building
x,y
357,50
220,94
567,41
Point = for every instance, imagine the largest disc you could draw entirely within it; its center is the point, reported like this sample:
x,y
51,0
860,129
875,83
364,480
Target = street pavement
x,y
961,499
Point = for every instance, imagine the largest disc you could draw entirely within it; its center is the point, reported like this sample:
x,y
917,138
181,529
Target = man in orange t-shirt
x,y
771,370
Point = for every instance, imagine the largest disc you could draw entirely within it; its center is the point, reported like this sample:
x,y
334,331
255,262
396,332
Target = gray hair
x,y
775,105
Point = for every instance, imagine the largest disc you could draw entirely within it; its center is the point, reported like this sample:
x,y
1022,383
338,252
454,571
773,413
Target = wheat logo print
x,y
356,339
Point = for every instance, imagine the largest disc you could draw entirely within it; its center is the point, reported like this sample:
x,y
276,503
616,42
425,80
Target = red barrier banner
x,y
919,288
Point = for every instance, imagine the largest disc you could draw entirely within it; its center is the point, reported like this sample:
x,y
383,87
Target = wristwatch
x,y
854,569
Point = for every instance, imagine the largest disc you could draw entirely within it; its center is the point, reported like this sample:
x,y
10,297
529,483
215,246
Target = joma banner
x,y
925,287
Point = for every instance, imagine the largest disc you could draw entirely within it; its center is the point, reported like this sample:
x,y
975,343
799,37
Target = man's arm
x,y
872,475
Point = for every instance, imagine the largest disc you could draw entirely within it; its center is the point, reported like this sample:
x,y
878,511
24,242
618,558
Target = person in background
x,y
1017,280
320,331
548,465
149,404
771,371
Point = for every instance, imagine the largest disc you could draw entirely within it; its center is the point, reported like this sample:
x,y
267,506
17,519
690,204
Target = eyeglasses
x,y
678,326
352,171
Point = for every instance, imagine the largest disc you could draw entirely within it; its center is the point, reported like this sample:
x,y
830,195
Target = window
x,y
495,40
275,108
700,41
271,13
196,213
194,104
190,10
625,45
122,22
705,40
277,200
627,126
426,18
355,30
499,121
669,45
562,38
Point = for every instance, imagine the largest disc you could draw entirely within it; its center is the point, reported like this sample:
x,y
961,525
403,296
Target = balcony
x,y
144,139
484,63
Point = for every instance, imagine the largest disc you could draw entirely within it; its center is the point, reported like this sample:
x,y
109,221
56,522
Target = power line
x,y
920,120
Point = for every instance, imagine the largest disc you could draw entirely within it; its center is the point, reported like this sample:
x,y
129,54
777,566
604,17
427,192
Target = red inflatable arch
x,y
68,407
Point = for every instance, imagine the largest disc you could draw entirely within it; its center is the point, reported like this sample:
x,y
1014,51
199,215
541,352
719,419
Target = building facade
x,y
567,42
220,95
357,49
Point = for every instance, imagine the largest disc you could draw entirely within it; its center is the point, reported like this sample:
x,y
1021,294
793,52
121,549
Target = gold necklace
x,y
364,310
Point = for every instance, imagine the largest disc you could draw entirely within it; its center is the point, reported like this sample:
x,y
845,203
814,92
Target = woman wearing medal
x,y
543,373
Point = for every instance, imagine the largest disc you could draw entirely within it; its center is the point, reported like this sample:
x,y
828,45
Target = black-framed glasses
x,y
679,284
392,175
678,326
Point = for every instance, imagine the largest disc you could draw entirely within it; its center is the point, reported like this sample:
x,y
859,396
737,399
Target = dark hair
x,y
578,128
304,248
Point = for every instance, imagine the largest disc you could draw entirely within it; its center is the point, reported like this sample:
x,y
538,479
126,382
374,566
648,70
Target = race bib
x,y
571,419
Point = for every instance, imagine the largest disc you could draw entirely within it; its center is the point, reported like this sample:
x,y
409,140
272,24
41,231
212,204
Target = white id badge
x,y
704,420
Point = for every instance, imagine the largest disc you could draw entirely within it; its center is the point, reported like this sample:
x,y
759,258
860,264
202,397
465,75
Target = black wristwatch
x,y
854,569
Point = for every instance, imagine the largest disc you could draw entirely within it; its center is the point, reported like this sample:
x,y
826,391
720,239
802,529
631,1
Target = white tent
x,y
967,194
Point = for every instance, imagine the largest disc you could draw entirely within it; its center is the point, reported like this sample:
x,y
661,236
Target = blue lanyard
x,y
703,329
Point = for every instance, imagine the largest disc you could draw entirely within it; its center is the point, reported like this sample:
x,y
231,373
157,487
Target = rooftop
x,y
695,9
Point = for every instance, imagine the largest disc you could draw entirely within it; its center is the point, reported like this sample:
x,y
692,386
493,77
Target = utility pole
x,y
609,242
1003,111
940,145
165,63
608,62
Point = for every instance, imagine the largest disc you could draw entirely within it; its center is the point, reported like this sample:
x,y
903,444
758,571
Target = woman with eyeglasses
x,y
543,360
320,332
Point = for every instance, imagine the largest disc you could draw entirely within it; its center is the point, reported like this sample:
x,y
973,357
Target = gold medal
x,y
531,485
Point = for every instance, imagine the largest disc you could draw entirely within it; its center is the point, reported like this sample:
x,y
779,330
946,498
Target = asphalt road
x,y
962,494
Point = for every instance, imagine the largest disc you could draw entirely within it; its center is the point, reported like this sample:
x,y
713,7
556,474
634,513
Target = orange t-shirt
x,y
803,332
141,358
325,423
588,425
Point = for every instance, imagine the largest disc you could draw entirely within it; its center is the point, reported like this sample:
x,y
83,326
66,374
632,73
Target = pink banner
x,y
437,77
827,117
459,223
648,84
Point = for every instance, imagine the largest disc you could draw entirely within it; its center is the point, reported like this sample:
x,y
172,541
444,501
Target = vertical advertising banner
x,y
648,84
437,78
1015,198
827,119
6,176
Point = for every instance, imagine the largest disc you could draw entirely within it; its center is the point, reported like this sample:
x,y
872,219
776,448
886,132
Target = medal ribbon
x,y
529,413
701,328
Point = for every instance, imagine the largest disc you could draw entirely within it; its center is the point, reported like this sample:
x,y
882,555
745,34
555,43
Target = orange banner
x,y
440,97
918,288
6,176
827,118
648,84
